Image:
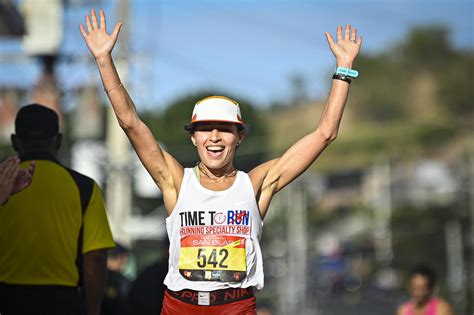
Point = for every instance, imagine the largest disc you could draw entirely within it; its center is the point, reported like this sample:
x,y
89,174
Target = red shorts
x,y
221,302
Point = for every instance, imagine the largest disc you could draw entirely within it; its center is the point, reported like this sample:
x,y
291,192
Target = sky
x,y
247,49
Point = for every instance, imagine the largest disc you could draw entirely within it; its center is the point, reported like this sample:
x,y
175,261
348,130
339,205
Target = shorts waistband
x,y
211,298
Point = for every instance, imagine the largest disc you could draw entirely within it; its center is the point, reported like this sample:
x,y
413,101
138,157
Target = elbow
x,y
328,136
128,123
331,137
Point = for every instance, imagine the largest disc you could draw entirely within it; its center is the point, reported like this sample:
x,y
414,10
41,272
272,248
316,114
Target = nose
x,y
215,135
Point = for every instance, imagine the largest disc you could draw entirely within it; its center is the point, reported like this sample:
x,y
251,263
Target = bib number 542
x,y
214,258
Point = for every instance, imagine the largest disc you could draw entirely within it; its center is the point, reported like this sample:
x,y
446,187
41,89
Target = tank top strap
x,y
409,309
431,309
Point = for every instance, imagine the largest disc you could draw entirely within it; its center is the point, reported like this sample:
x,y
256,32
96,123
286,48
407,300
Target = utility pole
x,y
455,262
119,194
382,203
294,287
470,166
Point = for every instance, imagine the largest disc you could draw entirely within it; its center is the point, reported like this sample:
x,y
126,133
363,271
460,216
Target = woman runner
x,y
215,212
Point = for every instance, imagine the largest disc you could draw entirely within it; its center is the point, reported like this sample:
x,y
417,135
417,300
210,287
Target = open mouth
x,y
215,149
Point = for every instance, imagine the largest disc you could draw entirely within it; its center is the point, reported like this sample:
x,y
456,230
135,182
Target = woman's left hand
x,y
347,47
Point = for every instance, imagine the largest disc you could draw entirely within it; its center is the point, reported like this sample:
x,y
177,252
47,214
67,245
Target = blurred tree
x,y
299,89
426,47
455,87
379,92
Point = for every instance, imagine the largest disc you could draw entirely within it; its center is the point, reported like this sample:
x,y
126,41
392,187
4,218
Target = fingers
x,y
329,39
92,23
116,31
88,24
348,32
102,20
14,173
10,169
83,31
31,168
339,33
4,165
354,34
94,19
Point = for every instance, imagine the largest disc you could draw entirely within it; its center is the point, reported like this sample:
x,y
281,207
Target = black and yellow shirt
x,y
40,227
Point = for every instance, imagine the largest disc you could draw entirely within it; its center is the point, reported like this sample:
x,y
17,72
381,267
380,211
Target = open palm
x,y
99,42
347,46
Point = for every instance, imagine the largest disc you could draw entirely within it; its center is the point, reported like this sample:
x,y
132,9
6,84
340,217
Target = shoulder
x,y
443,307
403,309
259,173
88,188
80,178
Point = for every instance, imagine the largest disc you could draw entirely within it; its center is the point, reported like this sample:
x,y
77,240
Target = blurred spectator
x,y
54,234
264,309
148,289
118,286
421,286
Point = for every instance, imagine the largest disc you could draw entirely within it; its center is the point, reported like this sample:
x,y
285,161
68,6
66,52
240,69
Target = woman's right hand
x,y
98,41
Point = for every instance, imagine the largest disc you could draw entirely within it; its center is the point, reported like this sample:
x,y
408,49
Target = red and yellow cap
x,y
217,108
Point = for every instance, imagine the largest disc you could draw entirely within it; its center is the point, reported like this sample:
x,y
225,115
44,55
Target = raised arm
x,y
272,176
164,169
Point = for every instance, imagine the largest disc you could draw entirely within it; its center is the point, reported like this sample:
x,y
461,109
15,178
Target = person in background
x,y
116,300
148,289
54,235
422,286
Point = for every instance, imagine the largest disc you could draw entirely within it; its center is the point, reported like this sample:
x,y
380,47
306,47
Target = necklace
x,y
213,177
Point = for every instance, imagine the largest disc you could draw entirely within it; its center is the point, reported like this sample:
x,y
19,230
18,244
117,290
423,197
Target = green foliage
x,y
456,81
378,90
386,85
426,47
431,135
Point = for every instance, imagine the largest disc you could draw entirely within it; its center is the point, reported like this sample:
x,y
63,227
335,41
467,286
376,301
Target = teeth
x,y
215,148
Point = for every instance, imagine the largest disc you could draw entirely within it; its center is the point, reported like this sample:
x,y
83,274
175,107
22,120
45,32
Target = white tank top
x,y
214,237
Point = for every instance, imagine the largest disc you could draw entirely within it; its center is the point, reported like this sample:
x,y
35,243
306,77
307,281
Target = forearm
x,y
95,279
333,109
122,104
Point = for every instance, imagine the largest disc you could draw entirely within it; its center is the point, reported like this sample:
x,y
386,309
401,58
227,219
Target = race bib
x,y
213,258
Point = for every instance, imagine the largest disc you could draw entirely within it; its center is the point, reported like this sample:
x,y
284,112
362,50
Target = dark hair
x,y
118,250
36,122
427,272
191,128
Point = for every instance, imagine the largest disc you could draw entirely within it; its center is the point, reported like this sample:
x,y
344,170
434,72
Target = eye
x,y
225,129
204,128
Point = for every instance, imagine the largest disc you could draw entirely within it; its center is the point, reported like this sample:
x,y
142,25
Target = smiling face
x,y
216,143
